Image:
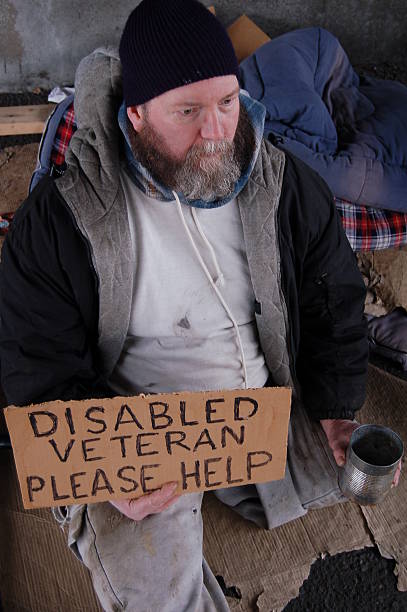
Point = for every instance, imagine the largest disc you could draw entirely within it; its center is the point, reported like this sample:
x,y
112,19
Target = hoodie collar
x,y
144,181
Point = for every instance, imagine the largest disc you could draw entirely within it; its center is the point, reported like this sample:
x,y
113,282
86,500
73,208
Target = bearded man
x,y
181,251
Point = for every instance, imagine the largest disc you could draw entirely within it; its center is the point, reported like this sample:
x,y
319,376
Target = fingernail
x,y
170,487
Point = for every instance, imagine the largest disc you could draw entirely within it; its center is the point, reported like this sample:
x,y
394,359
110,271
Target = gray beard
x,y
209,172
199,176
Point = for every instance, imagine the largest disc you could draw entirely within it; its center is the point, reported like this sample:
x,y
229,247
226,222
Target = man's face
x,y
192,114
185,137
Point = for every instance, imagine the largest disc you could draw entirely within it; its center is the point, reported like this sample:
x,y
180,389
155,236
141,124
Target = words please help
x,y
96,450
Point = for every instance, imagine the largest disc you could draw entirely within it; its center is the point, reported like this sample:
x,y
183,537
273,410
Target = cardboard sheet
x,y
37,571
246,37
95,450
268,567
387,276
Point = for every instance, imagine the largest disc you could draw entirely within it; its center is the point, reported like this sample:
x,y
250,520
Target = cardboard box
x,y
246,37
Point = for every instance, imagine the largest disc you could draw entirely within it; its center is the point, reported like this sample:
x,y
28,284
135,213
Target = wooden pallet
x,y
16,120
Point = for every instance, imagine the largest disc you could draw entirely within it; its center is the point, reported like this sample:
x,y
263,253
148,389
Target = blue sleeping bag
x,y
352,131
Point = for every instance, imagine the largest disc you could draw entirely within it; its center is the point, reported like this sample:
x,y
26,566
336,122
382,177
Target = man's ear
x,y
135,116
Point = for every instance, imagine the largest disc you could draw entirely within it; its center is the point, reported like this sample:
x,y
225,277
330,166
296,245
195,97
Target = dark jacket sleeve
x,y
325,295
49,306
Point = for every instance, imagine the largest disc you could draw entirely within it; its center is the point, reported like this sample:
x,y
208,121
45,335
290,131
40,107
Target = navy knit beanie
x,y
169,43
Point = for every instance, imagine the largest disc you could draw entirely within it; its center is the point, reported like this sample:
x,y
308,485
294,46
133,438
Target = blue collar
x,y
143,179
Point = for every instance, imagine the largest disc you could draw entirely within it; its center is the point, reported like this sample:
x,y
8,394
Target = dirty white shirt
x,y
180,336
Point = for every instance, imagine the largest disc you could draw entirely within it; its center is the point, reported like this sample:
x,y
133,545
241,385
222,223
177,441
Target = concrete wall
x,y
42,41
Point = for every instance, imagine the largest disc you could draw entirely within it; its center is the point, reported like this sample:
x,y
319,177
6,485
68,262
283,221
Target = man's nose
x,y
212,127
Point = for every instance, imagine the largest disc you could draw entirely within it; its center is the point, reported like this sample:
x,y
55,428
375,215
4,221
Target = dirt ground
x,y
364,576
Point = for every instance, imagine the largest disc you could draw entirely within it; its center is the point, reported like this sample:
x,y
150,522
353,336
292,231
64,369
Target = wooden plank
x,y
24,119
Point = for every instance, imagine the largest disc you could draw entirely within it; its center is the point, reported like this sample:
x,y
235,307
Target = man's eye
x,y
186,112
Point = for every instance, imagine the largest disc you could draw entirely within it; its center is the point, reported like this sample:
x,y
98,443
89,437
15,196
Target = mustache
x,y
211,147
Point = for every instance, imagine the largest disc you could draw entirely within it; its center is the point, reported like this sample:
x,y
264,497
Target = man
x,y
182,251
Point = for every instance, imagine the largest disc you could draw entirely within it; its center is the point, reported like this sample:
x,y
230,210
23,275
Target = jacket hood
x,y
96,146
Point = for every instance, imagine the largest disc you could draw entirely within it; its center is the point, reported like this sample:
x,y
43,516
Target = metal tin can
x,y
372,458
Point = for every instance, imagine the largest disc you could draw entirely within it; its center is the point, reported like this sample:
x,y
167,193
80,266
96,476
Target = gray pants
x,y
157,564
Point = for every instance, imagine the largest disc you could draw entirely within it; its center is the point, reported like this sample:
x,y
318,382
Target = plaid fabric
x,y
64,134
5,220
372,229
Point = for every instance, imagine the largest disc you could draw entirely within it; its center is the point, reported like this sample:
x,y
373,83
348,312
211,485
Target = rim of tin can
x,y
365,466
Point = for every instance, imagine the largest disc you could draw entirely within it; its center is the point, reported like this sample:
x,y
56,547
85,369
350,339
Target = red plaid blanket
x,y
372,229
63,136
367,228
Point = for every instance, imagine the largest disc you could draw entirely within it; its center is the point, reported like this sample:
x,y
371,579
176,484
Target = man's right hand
x,y
137,509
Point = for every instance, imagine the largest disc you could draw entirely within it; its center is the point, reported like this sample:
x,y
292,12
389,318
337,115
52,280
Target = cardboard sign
x,y
95,450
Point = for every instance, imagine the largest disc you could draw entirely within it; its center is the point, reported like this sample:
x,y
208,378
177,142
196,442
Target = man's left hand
x,y
338,432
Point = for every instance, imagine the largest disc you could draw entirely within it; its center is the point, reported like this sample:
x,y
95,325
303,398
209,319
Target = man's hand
x,y
338,432
137,509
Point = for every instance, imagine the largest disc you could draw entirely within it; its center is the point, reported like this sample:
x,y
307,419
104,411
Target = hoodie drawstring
x,y
219,280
